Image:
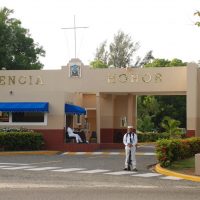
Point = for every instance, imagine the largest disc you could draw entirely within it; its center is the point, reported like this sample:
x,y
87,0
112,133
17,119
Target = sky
x,y
164,26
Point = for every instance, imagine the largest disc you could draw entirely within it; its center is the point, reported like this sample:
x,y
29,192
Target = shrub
x,y
14,141
169,150
151,137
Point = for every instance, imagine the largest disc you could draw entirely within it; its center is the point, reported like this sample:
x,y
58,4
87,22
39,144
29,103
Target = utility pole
x,y
74,28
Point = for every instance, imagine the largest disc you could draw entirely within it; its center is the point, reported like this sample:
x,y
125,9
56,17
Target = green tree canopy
x,y
165,63
171,126
98,64
17,48
154,108
120,53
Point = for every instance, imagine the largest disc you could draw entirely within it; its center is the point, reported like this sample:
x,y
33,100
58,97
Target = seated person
x,y
72,134
82,135
80,131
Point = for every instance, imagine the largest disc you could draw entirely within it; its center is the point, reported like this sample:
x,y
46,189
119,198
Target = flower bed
x,y
169,150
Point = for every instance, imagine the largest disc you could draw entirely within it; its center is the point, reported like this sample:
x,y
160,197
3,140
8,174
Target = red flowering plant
x,y
176,149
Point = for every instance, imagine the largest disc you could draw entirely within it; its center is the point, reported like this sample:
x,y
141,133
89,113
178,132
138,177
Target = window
x,y
28,117
123,121
78,119
4,116
23,118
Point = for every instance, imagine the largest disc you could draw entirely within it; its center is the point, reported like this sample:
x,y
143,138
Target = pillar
x,y
132,110
98,117
192,99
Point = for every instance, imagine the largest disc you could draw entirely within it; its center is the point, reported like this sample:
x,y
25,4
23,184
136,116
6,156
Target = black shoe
x,y
135,170
126,169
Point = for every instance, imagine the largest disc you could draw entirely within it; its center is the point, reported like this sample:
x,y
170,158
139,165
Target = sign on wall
x,y
75,70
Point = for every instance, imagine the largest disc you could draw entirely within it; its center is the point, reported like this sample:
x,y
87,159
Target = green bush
x,y
16,141
169,150
151,137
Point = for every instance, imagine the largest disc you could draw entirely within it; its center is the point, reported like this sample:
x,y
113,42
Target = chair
x,y
93,138
69,139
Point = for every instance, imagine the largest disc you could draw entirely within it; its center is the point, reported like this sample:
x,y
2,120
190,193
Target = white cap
x,y
130,127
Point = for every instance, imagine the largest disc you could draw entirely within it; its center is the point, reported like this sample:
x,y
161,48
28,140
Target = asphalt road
x,y
25,183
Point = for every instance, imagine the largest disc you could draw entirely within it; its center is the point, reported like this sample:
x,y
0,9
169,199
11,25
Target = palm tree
x,y
171,126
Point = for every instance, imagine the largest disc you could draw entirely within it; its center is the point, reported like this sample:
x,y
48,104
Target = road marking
x,y
147,175
56,161
80,170
114,153
186,187
81,153
13,164
4,166
107,153
42,168
68,170
97,153
82,185
94,171
145,154
120,173
171,178
15,168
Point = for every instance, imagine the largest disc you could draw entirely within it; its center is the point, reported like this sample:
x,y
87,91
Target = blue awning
x,y
72,109
24,106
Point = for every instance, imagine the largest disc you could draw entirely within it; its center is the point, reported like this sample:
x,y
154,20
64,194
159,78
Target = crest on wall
x,y
75,70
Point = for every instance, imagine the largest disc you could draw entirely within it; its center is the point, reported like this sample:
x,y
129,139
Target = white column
x,y
98,117
132,110
192,98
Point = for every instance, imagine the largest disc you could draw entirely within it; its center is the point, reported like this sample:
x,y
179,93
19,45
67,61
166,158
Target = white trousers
x,y
133,159
78,138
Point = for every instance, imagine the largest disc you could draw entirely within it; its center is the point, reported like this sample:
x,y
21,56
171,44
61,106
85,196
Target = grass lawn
x,y
186,166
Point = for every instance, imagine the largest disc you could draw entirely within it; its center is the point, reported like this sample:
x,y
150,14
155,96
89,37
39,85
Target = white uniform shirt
x,y
130,140
70,131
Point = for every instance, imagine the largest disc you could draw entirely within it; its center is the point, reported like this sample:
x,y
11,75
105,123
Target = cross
x,y
75,27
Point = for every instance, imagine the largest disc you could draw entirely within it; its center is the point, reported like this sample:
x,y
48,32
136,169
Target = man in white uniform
x,y
130,141
72,134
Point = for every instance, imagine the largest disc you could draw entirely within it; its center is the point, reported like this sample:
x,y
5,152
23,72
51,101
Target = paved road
x,y
88,177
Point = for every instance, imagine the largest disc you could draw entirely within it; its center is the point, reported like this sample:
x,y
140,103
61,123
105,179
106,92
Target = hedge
x,y
15,141
176,149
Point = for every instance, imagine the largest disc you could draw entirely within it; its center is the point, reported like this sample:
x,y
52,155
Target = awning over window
x,y
24,106
73,109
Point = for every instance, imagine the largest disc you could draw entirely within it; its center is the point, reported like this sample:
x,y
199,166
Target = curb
x,y
12,153
107,153
167,172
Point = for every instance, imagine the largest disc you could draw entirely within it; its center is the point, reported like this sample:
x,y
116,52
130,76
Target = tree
x,y
98,64
145,124
148,108
122,49
102,53
165,63
177,63
101,57
17,48
172,106
141,62
120,53
198,14
171,126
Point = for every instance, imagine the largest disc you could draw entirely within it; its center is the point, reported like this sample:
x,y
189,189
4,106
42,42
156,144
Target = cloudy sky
x,y
164,26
